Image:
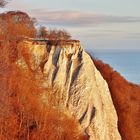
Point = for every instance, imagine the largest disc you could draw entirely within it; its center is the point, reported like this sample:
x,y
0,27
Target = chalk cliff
x,y
72,83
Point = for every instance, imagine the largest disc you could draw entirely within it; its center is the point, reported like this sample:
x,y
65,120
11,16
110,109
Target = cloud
x,y
133,36
78,18
17,5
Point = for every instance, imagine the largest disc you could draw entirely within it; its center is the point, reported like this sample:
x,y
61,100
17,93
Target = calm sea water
x,y
125,62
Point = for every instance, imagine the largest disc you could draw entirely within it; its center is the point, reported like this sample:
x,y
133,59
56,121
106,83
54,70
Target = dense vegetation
x,y
126,98
16,24
22,116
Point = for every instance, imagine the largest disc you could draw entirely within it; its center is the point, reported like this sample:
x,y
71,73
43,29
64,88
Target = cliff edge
x,y
71,82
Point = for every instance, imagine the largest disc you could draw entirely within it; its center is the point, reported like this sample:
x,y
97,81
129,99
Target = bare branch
x,y
3,3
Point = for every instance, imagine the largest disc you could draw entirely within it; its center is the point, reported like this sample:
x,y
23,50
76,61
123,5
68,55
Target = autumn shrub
x,y
22,115
126,99
15,25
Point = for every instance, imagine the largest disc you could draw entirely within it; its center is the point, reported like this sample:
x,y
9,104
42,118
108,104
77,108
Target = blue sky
x,y
99,24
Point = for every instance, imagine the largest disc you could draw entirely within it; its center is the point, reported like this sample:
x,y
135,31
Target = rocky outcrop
x,y
71,82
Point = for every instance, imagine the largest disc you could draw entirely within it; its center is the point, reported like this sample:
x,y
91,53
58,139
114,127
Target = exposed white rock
x,y
77,86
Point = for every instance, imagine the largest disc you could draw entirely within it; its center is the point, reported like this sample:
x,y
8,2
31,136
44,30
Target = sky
x,y
98,24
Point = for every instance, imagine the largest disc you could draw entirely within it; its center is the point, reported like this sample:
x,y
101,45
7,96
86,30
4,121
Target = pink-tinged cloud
x,y
17,4
77,18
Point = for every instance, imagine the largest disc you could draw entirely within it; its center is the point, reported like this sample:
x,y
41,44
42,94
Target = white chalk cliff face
x,y
71,82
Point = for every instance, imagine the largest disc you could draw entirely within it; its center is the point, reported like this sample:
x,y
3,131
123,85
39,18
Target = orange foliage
x,y
22,116
126,98
16,24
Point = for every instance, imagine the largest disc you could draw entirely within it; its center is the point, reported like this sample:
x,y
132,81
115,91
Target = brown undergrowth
x,y
21,115
126,98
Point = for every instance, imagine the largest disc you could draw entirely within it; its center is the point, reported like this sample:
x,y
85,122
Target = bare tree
x,y
42,32
3,3
58,35
63,35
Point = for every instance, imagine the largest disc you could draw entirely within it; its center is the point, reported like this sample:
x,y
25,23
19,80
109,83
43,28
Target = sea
x,y
126,62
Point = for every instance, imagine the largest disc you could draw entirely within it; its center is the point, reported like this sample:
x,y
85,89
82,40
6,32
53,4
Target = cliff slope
x,y
126,99
71,83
